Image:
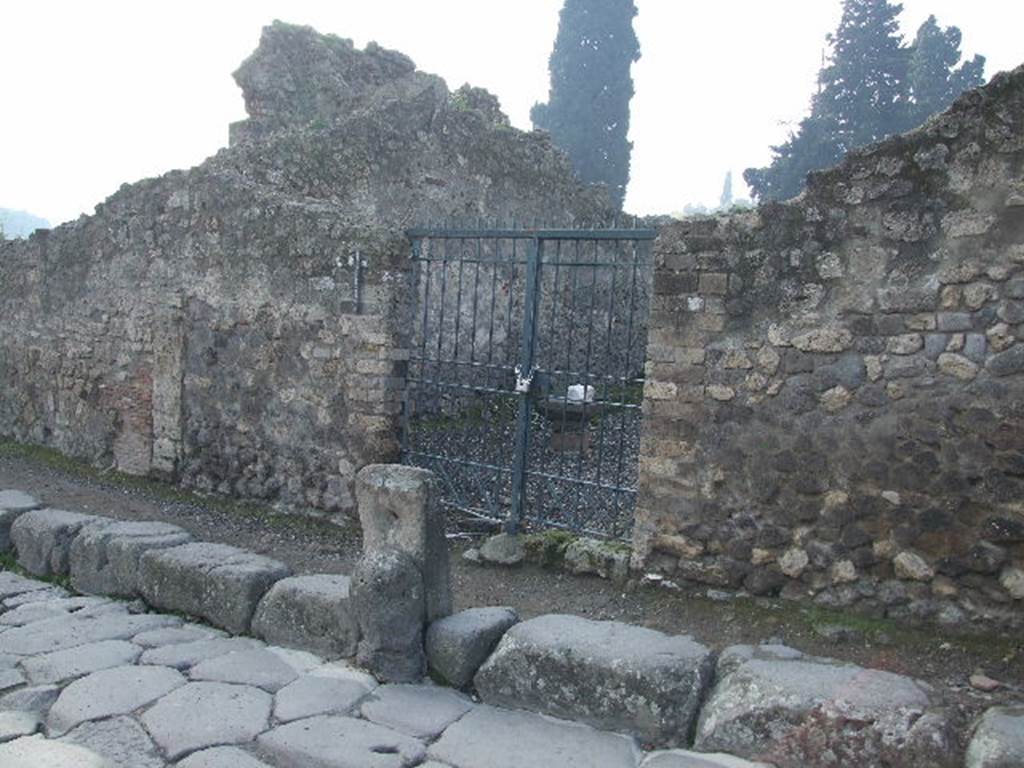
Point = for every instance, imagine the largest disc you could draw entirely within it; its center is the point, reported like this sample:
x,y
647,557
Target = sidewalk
x,y
88,682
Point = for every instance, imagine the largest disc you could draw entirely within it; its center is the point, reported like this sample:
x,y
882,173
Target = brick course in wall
x,y
835,400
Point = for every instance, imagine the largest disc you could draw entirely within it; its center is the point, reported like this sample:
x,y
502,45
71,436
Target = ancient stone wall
x,y
835,398
243,327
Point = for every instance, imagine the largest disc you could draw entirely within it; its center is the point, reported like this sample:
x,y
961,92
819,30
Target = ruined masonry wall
x,y
207,327
835,397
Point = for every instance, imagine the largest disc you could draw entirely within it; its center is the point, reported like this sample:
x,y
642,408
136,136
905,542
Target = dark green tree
x,y
587,112
872,87
934,79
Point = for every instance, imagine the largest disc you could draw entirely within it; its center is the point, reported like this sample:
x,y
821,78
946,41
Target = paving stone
x,y
73,631
15,724
605,673
309,612
998,740
37,752
679,758
109,692
301,661
773,703
342,670
104,560
311,695
221,757
313,743
257,667
11,584
43,539
35,698
30,613
457,645
176,635
200,715
215,582
495,738
422,711
400,508
11,678
185,655
76,662
45,592
120,740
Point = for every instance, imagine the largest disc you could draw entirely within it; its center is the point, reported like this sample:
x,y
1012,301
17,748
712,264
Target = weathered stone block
x,y
400,508
773,703
998,740
604,673
312,613
13,504
390,608
457,645
104,560
43,539
215,582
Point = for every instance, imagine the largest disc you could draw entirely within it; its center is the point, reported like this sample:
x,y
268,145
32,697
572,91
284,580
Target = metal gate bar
x,y
509,320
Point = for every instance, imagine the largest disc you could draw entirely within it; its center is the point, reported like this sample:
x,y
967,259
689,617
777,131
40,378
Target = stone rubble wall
x,y
243,327
834,407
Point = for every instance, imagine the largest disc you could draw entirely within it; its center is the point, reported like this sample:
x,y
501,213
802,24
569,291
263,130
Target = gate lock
x,y
523,383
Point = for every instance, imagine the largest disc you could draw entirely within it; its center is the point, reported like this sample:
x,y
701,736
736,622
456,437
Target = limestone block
x,y
911,566
311,613
457,645
43,539
499,738
104,560
400,508
604,673
390,608
773,703
200,715
116,691
215,582
37,752
120,739
314,742
998,740
422,711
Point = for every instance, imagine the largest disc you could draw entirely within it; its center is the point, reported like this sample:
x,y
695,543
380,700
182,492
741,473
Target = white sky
x,y
96,94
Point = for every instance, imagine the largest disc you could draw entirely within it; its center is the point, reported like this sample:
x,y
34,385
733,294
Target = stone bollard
x,y
389,605
400,508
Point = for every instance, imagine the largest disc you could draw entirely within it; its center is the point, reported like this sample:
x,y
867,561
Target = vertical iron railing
x,y
505,407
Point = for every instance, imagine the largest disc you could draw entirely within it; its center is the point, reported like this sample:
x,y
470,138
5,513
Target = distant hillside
x,y
20,223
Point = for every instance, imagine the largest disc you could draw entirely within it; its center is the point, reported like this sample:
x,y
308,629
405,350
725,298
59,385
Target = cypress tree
x,y
587,112
873,86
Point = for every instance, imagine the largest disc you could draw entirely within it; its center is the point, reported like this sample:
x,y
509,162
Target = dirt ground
x,y
945,660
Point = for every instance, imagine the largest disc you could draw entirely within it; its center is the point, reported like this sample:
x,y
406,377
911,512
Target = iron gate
x,y
525,379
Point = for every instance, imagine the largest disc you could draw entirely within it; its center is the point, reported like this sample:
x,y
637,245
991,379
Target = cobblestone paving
x,y
92,682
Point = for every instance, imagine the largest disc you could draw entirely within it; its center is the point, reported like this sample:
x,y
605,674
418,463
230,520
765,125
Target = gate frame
x,y
537,237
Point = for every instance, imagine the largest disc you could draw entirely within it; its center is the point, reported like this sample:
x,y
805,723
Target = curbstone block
x,y
104,560
311,613
604,673
216,582
43,538
457,645
13,504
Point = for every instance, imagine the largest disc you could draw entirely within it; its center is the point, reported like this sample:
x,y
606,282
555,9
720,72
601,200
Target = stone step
x,y
605,673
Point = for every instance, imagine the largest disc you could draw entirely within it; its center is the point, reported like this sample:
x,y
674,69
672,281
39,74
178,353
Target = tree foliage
x,y
587,112
873,86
